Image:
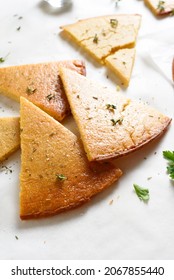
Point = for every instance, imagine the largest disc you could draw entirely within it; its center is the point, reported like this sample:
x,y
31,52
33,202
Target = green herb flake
x,y
124,63
95,40
110,106
61,177
113,22
103,32
96,98
143,194
172,13
50,96
2,59
168,155
6,169
19,28
30,90
119,121
17,238
160,6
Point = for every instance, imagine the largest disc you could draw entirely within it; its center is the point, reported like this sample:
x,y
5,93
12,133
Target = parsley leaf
x,y
160,6
61,177
2,59
113,22
143,194
168,155
95,40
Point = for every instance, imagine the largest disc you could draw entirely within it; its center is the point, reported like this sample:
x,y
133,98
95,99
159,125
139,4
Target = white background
x,y
127,229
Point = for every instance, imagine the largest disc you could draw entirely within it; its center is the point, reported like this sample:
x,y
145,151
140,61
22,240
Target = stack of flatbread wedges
x,y
60,172
160,7
40,84
110,40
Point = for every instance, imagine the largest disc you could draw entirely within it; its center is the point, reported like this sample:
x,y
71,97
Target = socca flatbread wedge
x,y
39,83
121,63
9,136
110,124
160,8
55,174
101,36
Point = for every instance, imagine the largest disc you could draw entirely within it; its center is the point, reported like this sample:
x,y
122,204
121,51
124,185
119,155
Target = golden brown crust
x,y
9,136
49,150
110,124
39,83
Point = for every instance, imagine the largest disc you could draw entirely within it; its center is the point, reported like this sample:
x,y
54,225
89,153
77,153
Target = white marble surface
x,y
127,229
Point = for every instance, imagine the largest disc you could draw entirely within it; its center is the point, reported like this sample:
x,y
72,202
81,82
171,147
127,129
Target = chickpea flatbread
x,y
55,173
121,63
110,124
9,136
39,83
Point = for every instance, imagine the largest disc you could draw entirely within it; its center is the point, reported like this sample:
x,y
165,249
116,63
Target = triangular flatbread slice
x,y
110,124
161,8
101,36
39,83
121,63
9,136
55,173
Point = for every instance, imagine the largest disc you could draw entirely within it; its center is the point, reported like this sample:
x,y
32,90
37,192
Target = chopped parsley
x,y
168,155
95,40
160,6
18,29
110,106
114,122
113,22
143,194
30,90
2,59
16,237
61,177
6,169
50,96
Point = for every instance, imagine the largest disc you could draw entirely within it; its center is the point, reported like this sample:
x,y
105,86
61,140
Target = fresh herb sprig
x,y
169,156
143,194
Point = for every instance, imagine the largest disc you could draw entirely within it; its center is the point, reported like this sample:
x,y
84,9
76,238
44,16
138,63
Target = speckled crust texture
x,y
110,132
48,150
39,83
9,136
